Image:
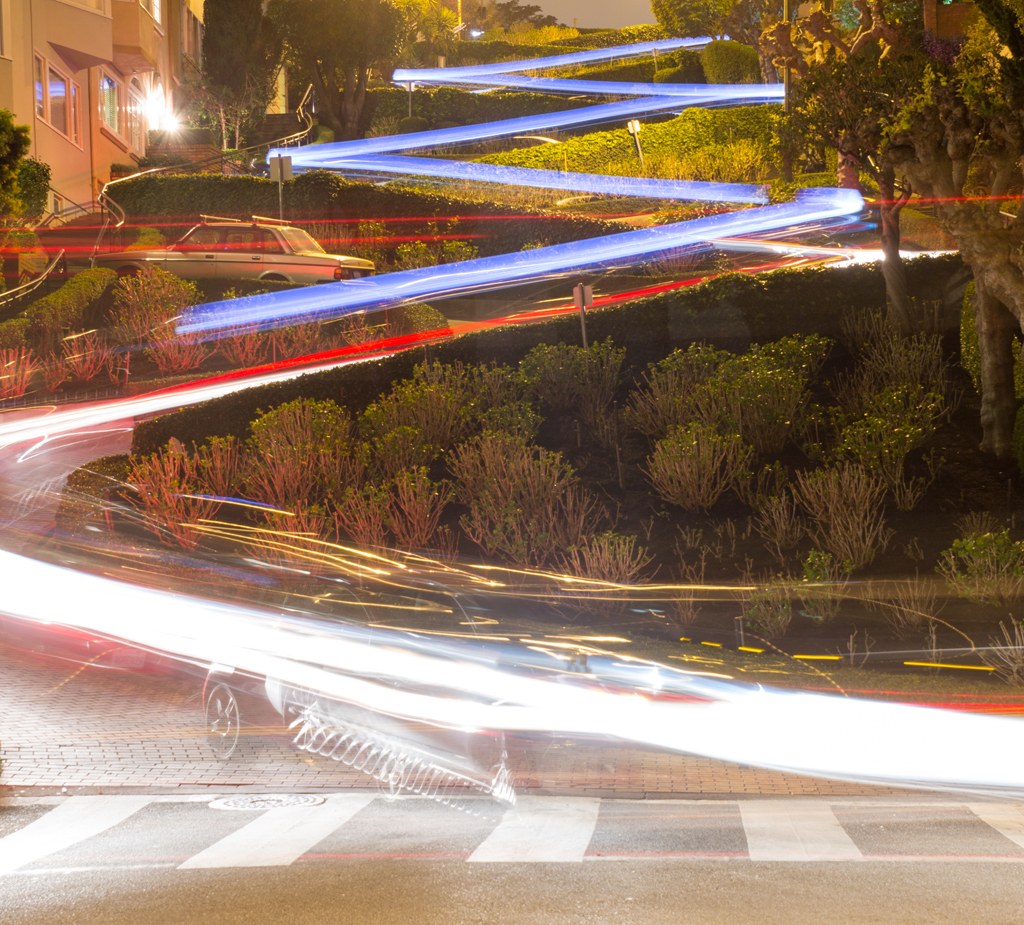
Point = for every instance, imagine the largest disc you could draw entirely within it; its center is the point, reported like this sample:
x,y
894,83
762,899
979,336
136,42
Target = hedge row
x,y
729,311
322,196
612,38
460,107
693,130
57,313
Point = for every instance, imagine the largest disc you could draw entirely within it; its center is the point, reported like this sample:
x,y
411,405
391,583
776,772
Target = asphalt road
x,y
364,858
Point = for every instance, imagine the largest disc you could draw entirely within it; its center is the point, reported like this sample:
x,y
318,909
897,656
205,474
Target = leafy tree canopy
x,y
14,144
691,18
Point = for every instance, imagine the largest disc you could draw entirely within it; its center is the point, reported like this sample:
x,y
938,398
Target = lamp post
x,y
785,73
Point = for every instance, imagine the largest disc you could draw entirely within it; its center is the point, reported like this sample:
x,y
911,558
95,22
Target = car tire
x,y
223,721
274,278
123,272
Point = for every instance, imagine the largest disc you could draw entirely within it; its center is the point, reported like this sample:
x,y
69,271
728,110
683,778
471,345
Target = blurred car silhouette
x,y
232,249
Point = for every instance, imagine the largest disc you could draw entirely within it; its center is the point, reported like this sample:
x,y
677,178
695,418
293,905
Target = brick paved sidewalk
x,y
98,728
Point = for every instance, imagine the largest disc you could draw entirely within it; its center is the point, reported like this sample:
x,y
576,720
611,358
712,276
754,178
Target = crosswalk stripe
x,y
541,829
1007,820
279,836
75,820
790,830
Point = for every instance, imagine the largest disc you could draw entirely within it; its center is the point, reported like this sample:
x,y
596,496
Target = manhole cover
x,y
267,801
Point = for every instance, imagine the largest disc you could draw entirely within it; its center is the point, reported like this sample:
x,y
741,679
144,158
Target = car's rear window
x,y
300,241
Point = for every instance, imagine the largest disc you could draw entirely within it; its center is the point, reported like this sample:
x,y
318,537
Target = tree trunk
x,y
996,330
327,98
354,98
901,310
223,127
768,71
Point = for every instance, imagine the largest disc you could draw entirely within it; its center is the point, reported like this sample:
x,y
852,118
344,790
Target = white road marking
x,y
1006,820
795,830
541,830
279,836
73,821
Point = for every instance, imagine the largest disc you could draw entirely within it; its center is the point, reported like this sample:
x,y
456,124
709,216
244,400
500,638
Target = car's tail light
x,y
340,273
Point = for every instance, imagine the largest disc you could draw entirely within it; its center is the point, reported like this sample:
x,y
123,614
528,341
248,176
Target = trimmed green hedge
x,y
322,196
63,310
687,70
99,480
693,130
728,311
449,104
610,38
14,334
730,63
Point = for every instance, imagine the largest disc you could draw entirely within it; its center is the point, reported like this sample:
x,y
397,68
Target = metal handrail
x,y
23,290
109,205
88,208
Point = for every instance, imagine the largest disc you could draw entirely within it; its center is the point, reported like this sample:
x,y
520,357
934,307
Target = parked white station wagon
x,y
228,249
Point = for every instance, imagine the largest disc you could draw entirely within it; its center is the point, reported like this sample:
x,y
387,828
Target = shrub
x,y
219,466
688,70
168,490
778,523
608,557
17,367
14,333
246,350
33,186
522,501
667,400
769,611
984,568
290,537
297,451
694,466
1007,654
823,582
361,514
800,301
416,507
86,354
145,304
411,124
730,63
845,503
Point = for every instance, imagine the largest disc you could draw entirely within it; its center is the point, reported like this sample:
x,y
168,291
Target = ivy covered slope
x,y
694,130
323,197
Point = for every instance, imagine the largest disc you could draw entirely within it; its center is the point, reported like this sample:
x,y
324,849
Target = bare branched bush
x,y
401,449
169,490
683,609
778,522
292,538
845,503
862,328
55,372
361,515
354,329
245,350
568,378
416,507
86,354
769,611
177,353
299,340
914,603
1007,654
608,557
976,523
694,466
17,367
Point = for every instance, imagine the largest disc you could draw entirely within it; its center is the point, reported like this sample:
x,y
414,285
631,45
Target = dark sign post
x,y
583,297
280,173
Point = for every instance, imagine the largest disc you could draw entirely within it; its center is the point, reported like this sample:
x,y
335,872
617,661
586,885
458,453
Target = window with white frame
x,y
110,102
134,115
152,7
57,98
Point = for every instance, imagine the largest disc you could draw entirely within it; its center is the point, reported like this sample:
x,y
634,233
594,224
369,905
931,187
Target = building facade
x,y
91,78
